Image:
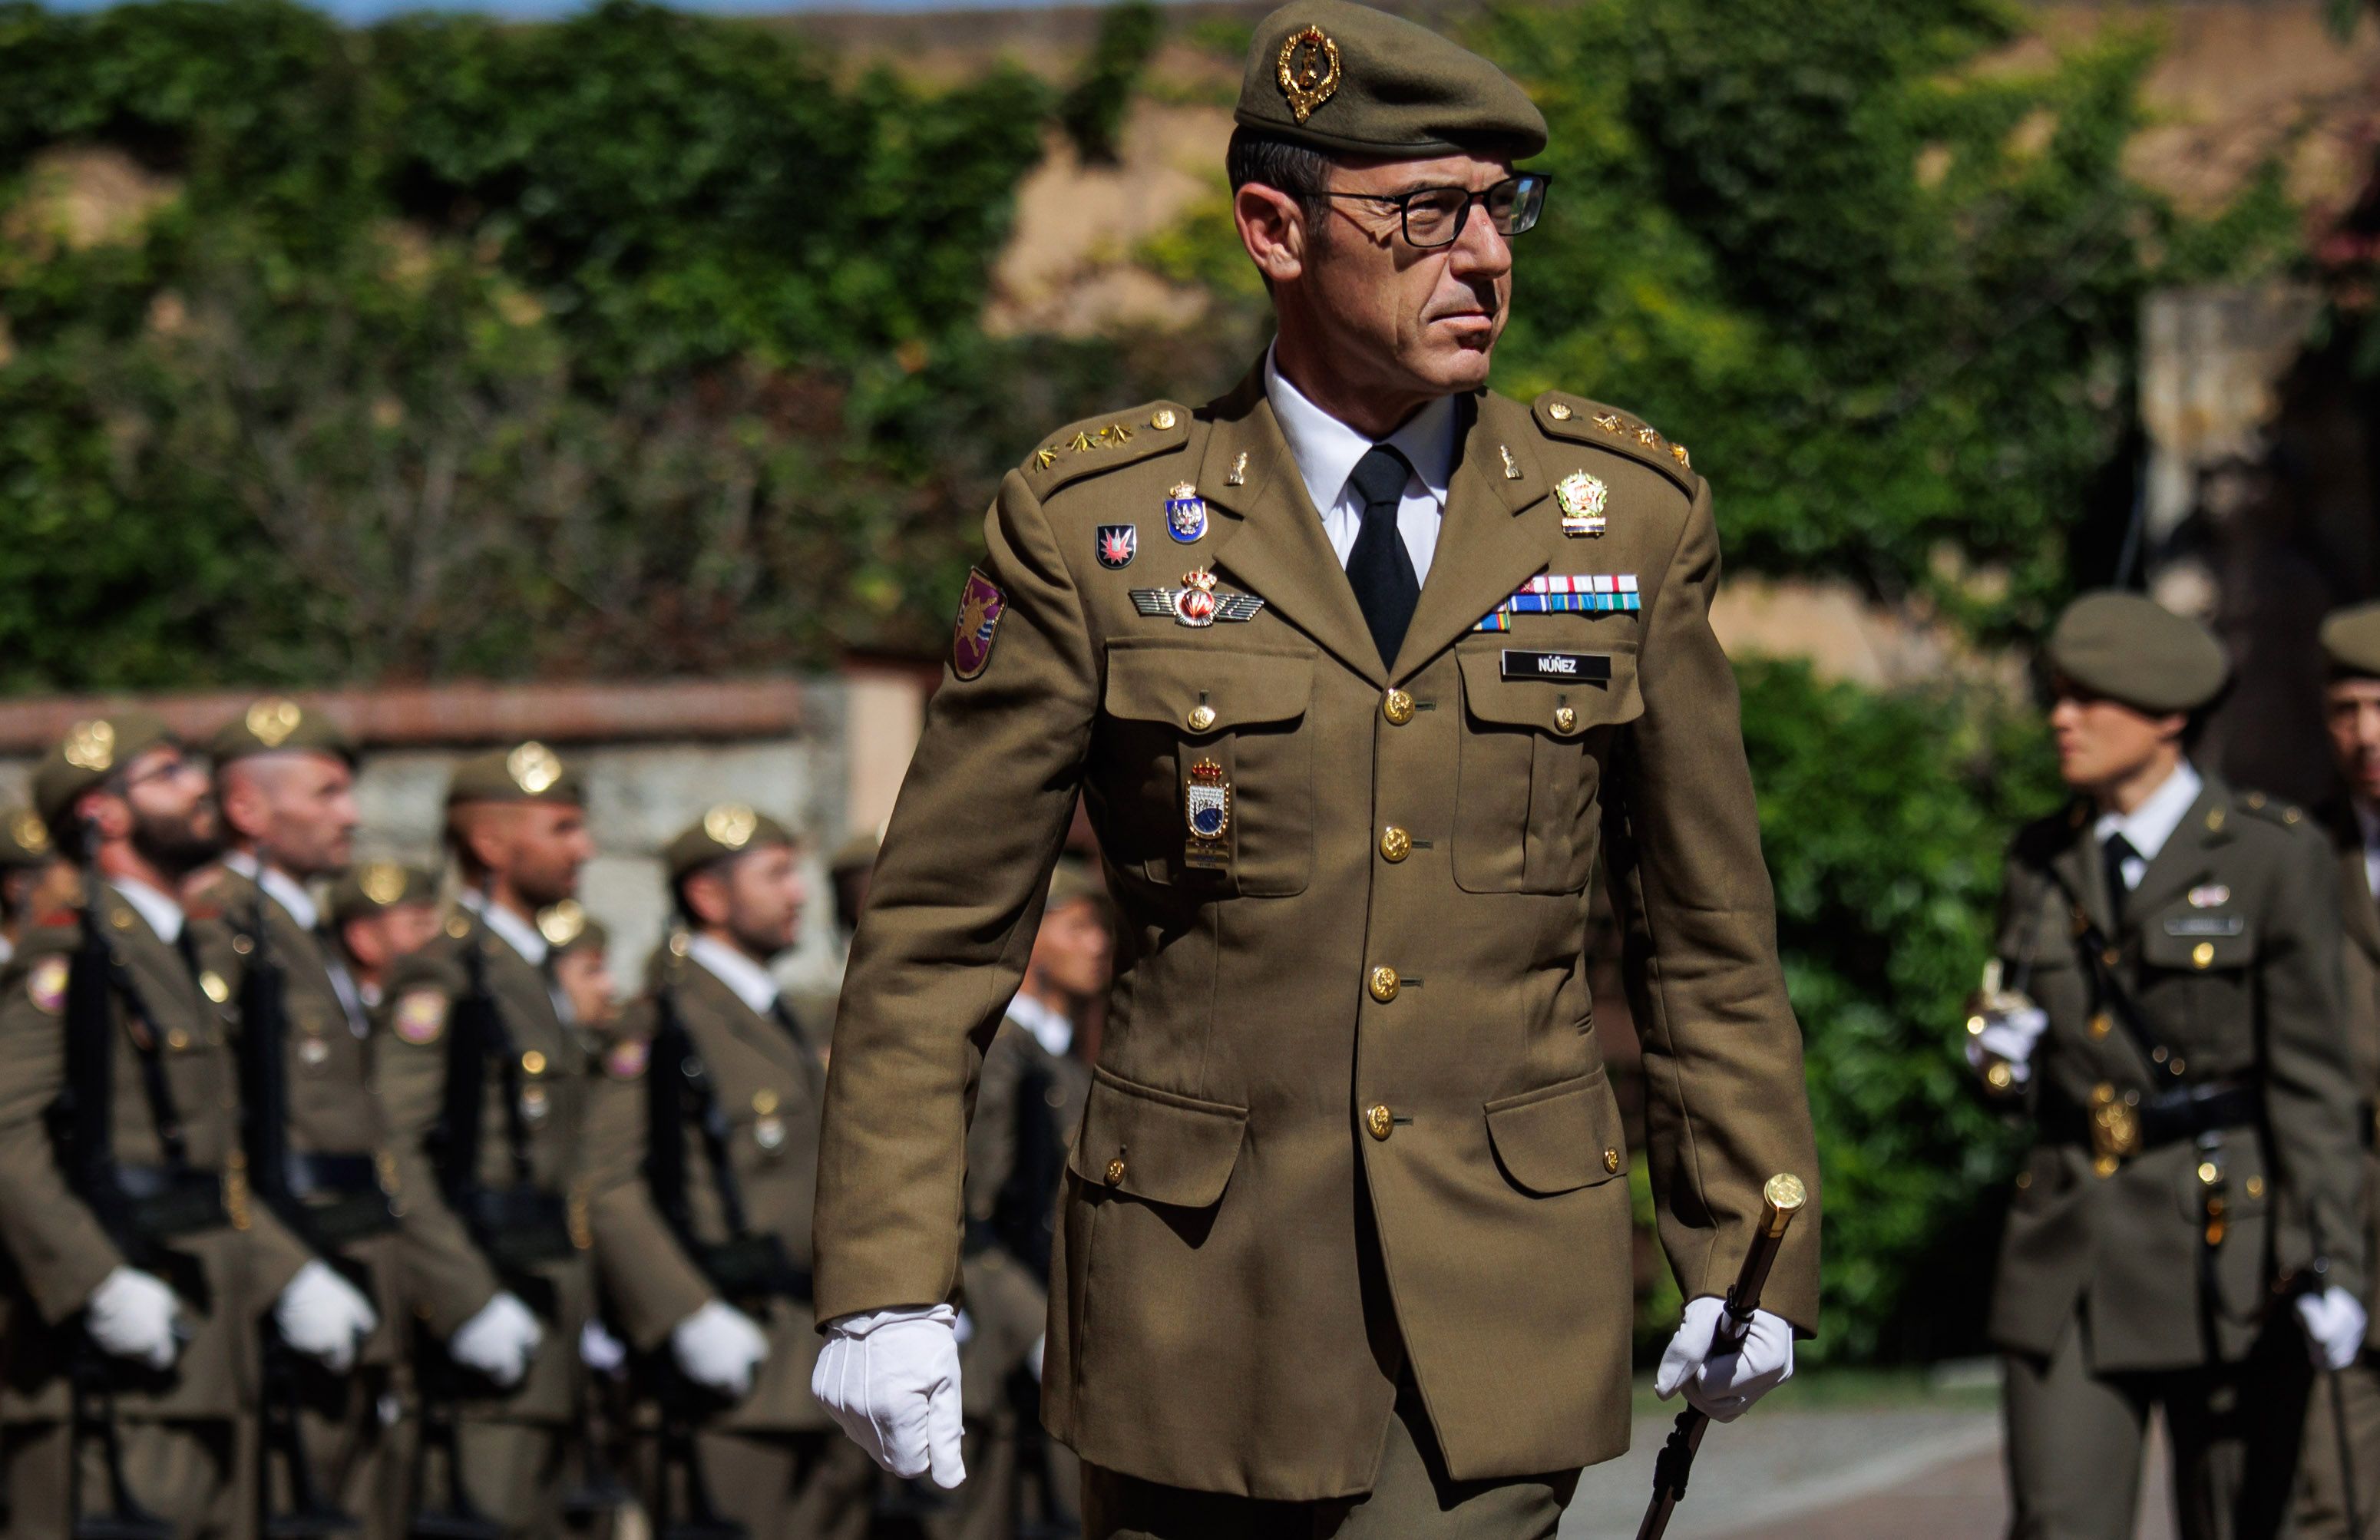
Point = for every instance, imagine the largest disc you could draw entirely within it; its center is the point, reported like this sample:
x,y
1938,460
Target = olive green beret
x,y
526,772
2134,650
567,927
725,828
373,886
2351,639
1340,76
274,725
89,754
24,841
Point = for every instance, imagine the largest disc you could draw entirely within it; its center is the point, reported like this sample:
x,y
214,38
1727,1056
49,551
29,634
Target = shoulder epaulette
x,y
2272,809
1103,443
1579,420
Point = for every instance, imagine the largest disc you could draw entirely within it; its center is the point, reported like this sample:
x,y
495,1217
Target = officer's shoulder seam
x,y
1097,444
2278,811
1576,420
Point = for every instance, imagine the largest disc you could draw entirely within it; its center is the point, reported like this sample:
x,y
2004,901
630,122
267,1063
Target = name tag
x,y
1574,667
2206,925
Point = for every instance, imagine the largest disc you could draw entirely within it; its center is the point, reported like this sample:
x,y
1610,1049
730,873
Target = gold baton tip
x,y
1784,1195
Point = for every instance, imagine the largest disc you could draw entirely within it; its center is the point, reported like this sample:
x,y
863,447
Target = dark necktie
x,y
1378,567
2117,850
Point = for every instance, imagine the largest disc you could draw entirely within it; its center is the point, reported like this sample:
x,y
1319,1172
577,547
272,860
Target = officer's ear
x,y
704,897
1273,226
103,812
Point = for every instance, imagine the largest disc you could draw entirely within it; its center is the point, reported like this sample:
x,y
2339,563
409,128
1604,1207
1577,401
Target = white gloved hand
x,y
889,1378
2009,1035
498,1341
600,1351
2334,1323
323,1316
131,1315
1757,1358
719,1347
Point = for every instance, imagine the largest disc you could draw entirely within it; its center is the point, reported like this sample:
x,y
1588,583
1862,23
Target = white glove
x,y
322,1316
498,1341
2009,1035
889,1378
600,1351
719,1347
1754,1360
2334,1323
131,1315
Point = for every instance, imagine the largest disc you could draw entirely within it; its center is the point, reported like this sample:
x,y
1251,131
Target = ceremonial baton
x,y
1782,1199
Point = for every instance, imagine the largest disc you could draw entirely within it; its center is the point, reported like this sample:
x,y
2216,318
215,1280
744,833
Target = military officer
x,y
381,911
1357,671
2168,949
703,1140
34,878
582,969
285,781
2351,643
142,1264
481,1081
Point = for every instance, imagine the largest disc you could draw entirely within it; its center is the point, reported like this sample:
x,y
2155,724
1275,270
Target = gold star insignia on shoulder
x,y
1044,459
1609,422
1080,443
1647,436
1114,433
1680,451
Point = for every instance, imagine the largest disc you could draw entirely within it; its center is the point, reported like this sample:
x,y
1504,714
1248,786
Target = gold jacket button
x,y
533,1063
1377,1121
1115,1171
177,1039
1395,843
2111,957
1611,1161
2203,954
1200,718
1564,718
1385,985
1398,706
2101,1024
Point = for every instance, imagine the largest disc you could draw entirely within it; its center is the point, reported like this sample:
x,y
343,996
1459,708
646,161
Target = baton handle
x,y
1781,1197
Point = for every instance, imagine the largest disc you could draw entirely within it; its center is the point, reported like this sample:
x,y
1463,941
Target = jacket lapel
x,y
2082,873
1484,552
2182,861
2362,915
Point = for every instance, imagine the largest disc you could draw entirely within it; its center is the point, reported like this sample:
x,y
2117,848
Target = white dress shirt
x,y
523,937
1326,451
753,984
291,895
2369,822
1046,1023
2151,824
163,914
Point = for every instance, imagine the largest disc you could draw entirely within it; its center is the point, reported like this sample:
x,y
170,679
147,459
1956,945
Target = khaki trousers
x,y
2320,1511
187,1472
2075,1439
781,1485
349,1450
515,1472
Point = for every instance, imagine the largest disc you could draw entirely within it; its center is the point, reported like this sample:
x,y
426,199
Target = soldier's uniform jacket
x,y
59,1248
334,1129
769,1083
1369,979
2229,945
2359,1010
447,1274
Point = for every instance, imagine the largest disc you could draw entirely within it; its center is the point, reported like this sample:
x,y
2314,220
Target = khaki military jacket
x,y
2360,1011
59,1248
2230,946
768,1084
326,1068
1369,981
447,1275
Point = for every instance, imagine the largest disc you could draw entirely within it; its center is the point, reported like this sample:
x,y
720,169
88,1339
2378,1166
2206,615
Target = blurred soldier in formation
x,y
703,1151
284,780
142,1265
2165,998
2334,1451
582,970
381,911
481,1080
1029,1103
35,877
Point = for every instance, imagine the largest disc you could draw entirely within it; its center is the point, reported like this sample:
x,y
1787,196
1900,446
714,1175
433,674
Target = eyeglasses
x,y
1435,216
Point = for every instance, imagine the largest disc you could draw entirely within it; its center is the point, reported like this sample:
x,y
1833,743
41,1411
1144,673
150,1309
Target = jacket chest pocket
x,y
2198,971
1529,769
1205,767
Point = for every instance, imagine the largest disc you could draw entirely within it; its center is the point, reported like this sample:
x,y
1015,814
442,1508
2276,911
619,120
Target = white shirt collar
x,y
518,932
752,982
163,914
2151,824
1326,449
2367,821
286,890
1046,1023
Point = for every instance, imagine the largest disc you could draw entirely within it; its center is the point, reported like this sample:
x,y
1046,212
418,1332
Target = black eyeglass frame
x,y
1522,183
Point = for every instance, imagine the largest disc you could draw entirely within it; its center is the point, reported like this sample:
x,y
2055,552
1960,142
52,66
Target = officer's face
x,y
2352,712
2102,743
299,809
380,938
584,976
1074,950
542,848
166,809
764,894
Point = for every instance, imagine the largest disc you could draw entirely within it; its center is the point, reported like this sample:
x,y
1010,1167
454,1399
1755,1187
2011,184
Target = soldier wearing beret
x,y
481,1079
703,1155
2166,1006
582,970
381,911
142,1266
35,877
1360,672
2350,643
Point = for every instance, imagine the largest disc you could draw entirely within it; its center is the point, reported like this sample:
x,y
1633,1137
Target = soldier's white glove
x,y
322,1316
2009,1035
889,1378
2334,1323
600,1351
131,1315
719,1347
498,1341
1754,1359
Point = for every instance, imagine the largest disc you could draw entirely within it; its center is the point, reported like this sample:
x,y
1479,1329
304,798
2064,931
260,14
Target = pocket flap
x,y
1166,684
1560,1136
1155,1144
2192,944
1593,702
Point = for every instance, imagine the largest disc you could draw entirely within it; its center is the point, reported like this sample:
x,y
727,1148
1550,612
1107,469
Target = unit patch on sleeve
x,y
981,605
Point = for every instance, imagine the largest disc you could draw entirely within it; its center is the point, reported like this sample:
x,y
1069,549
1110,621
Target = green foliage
x,y
1092,111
